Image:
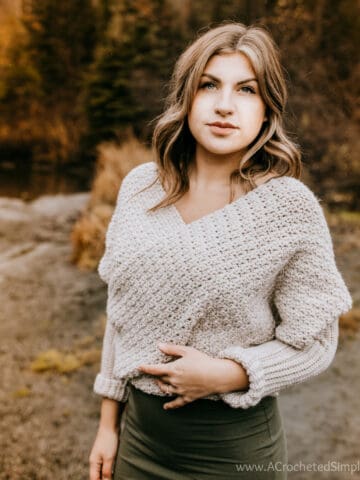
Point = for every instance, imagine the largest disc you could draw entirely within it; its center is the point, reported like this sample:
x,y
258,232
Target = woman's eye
x,y
207,85
247,89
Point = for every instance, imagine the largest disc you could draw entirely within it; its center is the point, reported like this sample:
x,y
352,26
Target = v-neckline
x,y
220,210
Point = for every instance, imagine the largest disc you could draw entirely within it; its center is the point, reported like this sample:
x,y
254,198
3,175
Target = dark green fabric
x,y
205,439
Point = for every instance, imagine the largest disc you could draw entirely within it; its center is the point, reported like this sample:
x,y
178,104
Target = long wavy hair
x,y
173,144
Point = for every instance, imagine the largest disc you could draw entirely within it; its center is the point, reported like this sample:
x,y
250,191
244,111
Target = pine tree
x,y
203,13
126,87
62,37
43,80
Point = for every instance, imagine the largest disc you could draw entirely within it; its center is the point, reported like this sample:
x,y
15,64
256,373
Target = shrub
x,y
113,163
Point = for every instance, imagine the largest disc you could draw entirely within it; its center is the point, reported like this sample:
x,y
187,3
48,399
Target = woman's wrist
x,y
111,411
230,376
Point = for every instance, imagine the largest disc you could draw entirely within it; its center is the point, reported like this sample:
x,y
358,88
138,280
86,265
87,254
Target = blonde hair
x,y
173,143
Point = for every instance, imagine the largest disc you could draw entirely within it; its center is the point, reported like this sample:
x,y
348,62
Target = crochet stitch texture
x,y
255,281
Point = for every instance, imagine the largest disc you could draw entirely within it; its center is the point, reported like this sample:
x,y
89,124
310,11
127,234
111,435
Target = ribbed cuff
x,y
274,365
110,388
250,397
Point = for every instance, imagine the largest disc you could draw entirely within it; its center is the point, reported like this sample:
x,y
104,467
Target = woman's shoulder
x,y
138,178
142,172
297,195
302,208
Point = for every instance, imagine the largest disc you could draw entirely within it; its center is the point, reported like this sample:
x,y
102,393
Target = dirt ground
x,y
53,313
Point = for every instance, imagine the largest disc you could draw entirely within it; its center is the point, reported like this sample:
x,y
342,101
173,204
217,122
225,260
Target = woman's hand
x,y
195,375
103,454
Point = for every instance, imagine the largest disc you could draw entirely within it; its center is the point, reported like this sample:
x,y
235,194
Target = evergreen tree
x,y
125,88
42,83
62,37
203,13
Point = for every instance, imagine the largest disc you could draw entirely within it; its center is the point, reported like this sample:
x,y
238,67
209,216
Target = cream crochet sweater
x,y
255,281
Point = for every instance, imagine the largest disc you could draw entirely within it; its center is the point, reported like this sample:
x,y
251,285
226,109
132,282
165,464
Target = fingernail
x,y
161,345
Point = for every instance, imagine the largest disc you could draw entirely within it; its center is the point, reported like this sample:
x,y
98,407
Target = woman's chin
x,y
221,150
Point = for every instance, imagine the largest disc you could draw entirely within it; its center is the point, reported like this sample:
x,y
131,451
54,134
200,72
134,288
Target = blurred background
x,y
80,83
75,74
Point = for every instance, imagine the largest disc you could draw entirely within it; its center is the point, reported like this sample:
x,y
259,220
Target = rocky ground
x,y
51,327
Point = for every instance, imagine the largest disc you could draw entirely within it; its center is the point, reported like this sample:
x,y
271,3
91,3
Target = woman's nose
x,y
224,104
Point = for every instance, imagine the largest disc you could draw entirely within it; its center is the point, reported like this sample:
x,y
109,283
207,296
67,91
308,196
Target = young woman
x,y
222,283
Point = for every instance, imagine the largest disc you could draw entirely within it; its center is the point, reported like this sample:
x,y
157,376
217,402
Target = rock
x,y
60,205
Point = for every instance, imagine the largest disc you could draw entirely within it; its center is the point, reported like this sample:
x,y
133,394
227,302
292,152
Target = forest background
x,y
76,74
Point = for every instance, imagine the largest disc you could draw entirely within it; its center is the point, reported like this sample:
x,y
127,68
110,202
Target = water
x,y
24,180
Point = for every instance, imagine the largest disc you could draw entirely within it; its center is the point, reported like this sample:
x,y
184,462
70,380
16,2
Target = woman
x,y
222,283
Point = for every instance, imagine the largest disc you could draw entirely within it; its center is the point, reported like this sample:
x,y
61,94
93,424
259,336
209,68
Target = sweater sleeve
x,y
107,262
309,296
105,383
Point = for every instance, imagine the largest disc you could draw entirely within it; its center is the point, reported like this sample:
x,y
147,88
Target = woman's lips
x,y
222,128
222,125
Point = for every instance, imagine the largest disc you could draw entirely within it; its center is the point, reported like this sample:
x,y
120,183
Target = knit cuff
x,y
250,397
110,388
275,365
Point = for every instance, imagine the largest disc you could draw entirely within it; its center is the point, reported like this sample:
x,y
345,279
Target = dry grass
x,y
57,139
88,236
350,322
64,362
113,163
83,352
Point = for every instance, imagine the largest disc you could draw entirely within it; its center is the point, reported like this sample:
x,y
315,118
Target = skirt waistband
x,y
200,408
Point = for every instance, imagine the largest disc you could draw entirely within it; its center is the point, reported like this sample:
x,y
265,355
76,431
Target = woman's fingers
x,y
95,469
157,369
167,387
170,349
103,453
101,471
107,469
177,403
174,349
164,379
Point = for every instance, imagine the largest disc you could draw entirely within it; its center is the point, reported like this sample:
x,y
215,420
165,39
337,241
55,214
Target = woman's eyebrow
x,y
246,80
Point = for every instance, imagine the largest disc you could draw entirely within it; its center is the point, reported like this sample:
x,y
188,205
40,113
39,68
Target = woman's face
x,y
227,112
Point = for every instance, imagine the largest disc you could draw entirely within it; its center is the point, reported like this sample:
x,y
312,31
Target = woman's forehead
x,y
229,64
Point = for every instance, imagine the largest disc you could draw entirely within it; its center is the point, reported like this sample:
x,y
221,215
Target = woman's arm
x,y
195,374
103,453
275,365
106,384
110,414
228,375
309,296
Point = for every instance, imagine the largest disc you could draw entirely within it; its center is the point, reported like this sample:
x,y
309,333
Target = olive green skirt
x,y
205,439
